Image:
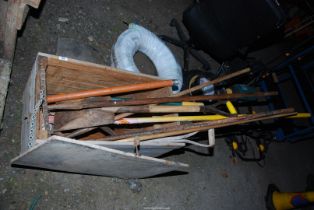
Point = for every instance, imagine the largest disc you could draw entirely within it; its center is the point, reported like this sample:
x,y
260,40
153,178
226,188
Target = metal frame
x,y
290,67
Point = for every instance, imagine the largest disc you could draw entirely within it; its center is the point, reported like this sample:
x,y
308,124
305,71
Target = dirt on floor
x,y
213,182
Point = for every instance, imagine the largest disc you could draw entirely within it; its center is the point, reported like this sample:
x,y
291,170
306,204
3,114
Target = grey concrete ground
x,y
214,182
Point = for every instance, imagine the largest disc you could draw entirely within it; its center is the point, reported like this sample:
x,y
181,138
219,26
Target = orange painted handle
x,y
109,91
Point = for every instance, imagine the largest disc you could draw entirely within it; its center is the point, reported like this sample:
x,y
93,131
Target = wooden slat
x,y
216,124
201,126
63,154
82,119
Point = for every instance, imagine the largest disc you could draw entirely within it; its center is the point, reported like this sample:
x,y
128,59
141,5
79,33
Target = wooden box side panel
x,y
69,75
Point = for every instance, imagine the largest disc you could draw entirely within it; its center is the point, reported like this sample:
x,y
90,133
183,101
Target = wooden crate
x,y
52,75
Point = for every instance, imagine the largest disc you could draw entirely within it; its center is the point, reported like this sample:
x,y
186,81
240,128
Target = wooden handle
x,y
218,80
153,109
109,91
133,102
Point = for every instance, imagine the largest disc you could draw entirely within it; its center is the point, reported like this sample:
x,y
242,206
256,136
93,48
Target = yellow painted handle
x,y
187,103
231,108
300,115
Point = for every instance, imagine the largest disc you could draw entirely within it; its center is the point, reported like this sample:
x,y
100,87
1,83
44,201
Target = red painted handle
x,y
109,91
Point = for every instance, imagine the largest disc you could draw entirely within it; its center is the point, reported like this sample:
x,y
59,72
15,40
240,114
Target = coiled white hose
x,y
137,38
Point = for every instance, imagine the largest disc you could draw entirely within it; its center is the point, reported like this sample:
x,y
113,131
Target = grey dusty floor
x,y
213,182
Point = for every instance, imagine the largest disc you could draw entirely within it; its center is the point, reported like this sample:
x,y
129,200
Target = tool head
x,y
82,119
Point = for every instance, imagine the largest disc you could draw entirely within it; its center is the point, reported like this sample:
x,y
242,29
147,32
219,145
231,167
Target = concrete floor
x,y
214,182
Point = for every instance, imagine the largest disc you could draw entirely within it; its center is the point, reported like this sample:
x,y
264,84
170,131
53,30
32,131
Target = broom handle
x,y
109,91
215,81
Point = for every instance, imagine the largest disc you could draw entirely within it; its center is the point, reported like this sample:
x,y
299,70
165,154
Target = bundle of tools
x,y
126,119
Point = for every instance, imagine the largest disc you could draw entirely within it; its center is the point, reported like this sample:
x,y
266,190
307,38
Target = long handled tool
x,y
112,103
110,91
216,81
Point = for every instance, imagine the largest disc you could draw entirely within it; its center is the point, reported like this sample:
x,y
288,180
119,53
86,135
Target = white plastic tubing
x,y
137,38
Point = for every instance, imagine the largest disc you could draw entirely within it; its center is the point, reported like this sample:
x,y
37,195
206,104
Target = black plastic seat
x,y
228,28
